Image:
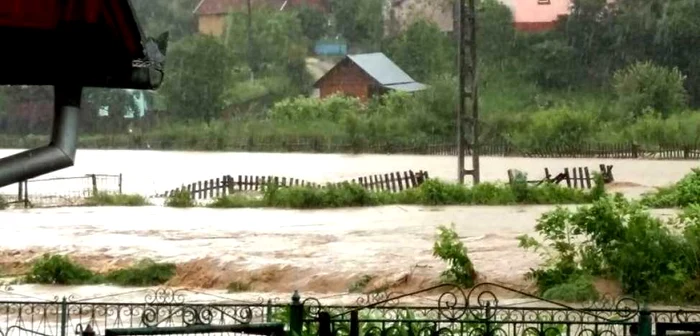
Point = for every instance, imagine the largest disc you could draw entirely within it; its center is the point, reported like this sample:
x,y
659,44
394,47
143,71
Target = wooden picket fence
x,y
228,185
577,177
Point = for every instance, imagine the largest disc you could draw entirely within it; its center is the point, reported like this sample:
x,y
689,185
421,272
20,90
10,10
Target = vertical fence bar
x,y
354,323
268,314
645,322
296,315
120,183
324,324
64,316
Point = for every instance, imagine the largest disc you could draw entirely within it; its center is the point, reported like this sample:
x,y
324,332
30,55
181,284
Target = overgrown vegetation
x,y
238,286
61,270
615,239
431,192
359,285
452,251
180,199
683,193
108,199
637,82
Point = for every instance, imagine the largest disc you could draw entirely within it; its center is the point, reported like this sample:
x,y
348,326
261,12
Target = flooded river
x,y
277,251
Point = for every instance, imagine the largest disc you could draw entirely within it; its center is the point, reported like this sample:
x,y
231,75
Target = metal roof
x,y
407,87
381,68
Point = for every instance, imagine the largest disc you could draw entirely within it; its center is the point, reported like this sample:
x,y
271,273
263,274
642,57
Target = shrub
x,y
3,203
616,239
180,199
578,289
360,284
238,287
107,199
644,86
144,273
59,270
451,250
681,194
306,197
234,201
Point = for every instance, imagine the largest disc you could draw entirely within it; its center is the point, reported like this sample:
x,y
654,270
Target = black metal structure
x,y
468,93
71,44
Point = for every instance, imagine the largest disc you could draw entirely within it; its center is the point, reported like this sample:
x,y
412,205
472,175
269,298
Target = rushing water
x,y
281,250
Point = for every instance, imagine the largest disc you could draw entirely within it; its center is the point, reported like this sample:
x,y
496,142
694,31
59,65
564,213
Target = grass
x,y
61,270
432,192
107,199
180,199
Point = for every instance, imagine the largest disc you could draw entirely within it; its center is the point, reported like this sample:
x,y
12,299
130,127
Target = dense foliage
x,y
452,251
615,239
61,270
431,192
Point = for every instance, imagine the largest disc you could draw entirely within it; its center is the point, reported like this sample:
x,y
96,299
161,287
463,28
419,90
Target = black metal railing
x,y
454,312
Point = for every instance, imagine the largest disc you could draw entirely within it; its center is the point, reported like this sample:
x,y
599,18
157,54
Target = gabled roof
x,y
384,71
216,7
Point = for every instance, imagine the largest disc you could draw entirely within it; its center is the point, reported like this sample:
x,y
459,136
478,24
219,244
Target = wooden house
x,y
364,76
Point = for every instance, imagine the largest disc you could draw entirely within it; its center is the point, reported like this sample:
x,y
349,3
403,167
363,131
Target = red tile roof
x,y
214,7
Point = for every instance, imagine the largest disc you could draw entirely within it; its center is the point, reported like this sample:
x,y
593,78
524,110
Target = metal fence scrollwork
x,y
477,312
450,311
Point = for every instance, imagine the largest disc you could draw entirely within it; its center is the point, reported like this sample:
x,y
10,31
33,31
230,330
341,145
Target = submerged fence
x,y
430,146
452,311
61,191
227,184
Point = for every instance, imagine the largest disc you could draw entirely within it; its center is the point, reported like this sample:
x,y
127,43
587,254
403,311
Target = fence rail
x,y
454,311
228,185
62,191
430,146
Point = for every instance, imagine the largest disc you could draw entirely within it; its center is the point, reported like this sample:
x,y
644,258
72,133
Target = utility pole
x,y
251,57
468,107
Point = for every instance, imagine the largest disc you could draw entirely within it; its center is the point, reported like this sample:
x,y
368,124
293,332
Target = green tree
x,y
644,86
422,50
279,44
314,23
200,68
360,21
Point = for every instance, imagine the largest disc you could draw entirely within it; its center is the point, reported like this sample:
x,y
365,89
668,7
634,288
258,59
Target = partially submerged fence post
x,y
94,184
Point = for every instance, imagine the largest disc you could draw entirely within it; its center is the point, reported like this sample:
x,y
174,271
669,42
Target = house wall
x,y
211,24
539,11
348,79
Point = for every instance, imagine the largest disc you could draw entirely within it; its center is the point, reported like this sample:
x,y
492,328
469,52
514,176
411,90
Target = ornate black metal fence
x,y
477,312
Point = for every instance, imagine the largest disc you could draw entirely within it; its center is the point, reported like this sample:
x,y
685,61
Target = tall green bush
x,y
644,86
683,193
452,251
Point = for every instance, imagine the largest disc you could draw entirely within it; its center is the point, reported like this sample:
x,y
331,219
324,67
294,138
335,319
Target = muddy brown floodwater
x,y
321,252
